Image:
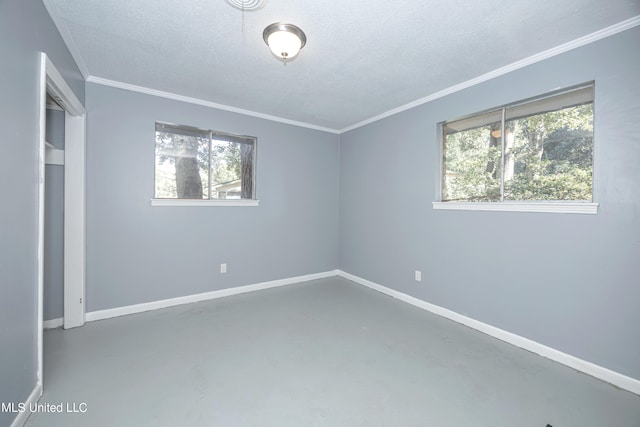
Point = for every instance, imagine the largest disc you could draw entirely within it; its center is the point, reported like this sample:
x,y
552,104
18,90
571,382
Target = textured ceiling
x,y
362,58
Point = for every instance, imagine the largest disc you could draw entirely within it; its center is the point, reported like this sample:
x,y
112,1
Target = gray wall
x,y
53,305
139,253
568,281
571,282
25,29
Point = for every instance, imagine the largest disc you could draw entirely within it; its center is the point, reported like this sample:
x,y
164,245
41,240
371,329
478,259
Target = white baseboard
x,y
53,323
604,374
33,398
155,305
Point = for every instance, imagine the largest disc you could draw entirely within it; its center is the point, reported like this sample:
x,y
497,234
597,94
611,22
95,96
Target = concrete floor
x,y
322,353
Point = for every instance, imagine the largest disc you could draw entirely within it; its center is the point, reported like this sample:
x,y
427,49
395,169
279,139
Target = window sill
x,y
554,207
199,203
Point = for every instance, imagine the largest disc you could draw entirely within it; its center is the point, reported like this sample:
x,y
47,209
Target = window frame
x,y
254,201
550,206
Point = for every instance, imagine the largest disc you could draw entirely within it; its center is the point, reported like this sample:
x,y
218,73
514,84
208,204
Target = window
x,y
539,150
195,164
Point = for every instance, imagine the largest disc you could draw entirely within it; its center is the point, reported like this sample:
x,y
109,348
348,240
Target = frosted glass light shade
x,y
284,40
283,44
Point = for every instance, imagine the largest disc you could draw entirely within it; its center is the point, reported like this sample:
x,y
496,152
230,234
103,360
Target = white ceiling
x,y
363,58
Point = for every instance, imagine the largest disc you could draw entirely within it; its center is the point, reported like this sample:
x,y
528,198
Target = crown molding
x,y
574,44
197,101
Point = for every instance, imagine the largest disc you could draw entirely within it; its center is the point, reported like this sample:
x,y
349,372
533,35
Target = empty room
x,y
301,213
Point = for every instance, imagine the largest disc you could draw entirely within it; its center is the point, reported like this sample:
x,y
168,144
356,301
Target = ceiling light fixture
x,y
284,40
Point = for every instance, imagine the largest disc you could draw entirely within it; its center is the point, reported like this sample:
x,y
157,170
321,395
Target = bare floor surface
x,y
322,353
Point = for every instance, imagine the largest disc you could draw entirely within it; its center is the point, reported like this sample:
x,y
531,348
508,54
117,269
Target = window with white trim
x,y
538,150
199,164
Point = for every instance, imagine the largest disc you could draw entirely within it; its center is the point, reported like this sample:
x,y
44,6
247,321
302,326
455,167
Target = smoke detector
x,y
247,5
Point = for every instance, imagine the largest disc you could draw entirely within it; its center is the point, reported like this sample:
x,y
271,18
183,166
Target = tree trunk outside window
x,y
246,170
188,180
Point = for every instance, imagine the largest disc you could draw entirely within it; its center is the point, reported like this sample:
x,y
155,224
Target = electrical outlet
x,y
418,276
223,268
